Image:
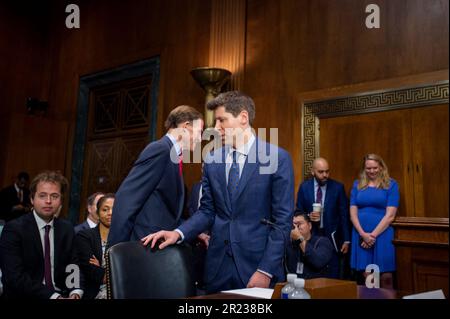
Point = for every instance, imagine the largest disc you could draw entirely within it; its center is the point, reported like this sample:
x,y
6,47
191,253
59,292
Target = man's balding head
x,y
320,170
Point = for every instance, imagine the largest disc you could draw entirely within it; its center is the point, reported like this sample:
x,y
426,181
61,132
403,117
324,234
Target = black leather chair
x,y
137,272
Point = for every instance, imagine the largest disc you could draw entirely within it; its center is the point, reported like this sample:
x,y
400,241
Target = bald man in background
x,y
333,222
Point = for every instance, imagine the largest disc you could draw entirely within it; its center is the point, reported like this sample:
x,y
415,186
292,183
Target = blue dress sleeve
x,y
393,194
353,193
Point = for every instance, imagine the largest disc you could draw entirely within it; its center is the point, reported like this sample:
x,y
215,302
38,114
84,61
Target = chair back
x,y
137,272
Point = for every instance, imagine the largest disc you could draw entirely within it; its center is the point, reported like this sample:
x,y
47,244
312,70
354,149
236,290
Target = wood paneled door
x,y
345,140
119,120
430,160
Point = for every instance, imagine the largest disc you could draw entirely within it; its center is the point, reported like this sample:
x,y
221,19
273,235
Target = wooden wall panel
x,y
24,72
345,140
291,47
421,254
112,33
430,160
297,46
39,143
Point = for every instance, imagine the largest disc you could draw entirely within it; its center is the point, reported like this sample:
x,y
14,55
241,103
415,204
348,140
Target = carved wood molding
x,y
361,102
422,222
421,231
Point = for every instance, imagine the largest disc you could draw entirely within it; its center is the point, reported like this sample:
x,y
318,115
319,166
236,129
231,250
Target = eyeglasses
x,y
45,196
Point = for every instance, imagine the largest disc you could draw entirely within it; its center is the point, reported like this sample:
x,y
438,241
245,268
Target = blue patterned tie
x,y
233,177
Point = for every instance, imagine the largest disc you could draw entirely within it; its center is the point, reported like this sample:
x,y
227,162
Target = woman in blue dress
x,y
373,204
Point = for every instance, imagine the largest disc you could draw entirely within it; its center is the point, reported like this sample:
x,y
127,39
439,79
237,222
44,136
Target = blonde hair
x,y
383,180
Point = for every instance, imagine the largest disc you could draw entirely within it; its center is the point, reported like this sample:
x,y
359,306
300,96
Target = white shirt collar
x,y
175,143
91,223
316,184
40,222
245,148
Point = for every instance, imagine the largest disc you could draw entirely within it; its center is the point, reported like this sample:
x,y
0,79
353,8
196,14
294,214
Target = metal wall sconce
x,y
211,80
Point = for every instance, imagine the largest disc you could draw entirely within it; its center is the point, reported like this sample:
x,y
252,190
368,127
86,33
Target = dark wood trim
x,y
418,243
421,222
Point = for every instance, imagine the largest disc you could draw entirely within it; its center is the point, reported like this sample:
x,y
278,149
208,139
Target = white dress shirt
x,y
41,227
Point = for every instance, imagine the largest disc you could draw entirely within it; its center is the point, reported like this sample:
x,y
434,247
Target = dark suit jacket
x,y
151,198
264,191
193,199
88,243
84,225
335,215
22,258
9,199
315,259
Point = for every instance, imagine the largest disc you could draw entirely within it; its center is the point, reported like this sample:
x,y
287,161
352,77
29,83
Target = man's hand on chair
x,y
165,237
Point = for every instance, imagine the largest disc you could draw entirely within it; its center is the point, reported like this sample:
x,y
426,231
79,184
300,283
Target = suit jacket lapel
x,y
180,184
57,242
36,237
326,202
222,178
98,244
311,194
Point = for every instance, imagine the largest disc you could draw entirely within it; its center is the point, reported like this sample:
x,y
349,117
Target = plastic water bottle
x,y
299,292
289,287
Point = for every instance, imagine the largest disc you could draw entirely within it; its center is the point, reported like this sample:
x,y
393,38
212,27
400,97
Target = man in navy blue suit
x,y
92,215
333,221
37,249
151,197
243,182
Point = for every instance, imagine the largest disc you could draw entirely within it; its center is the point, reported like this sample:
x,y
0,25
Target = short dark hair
x,y
23,175
102,199
181,114
52,177
298,212
234,102
91,199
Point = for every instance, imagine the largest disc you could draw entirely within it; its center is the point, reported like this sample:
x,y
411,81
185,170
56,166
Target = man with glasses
x,y
35,249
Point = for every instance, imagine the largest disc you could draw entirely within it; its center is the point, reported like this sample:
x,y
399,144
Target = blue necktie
x,y
233,177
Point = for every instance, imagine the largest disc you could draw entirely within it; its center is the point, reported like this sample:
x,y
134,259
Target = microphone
x,y
286,243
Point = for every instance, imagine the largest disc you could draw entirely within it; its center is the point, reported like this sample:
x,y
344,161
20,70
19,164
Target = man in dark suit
x,y
200,245
15,199
151,197
35,249
92,216
243,182
310,254
194,198
333,221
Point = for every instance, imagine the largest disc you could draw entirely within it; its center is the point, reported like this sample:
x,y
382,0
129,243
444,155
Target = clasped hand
x,y
368,240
